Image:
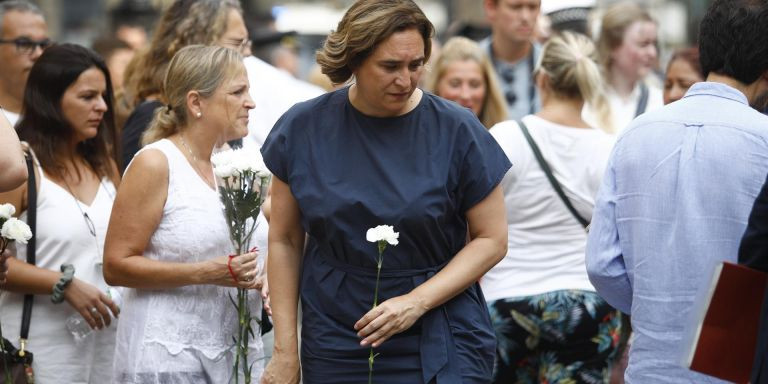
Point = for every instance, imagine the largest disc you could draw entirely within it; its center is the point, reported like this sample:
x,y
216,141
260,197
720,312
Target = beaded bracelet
x,y
68,272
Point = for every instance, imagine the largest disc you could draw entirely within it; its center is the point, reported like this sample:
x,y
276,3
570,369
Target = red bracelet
x,y
229,266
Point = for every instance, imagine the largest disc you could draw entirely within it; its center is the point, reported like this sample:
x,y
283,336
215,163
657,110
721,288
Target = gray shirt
x,y
516,81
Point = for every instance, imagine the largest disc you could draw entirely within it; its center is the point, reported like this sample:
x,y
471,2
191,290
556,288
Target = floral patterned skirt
x,y
568,336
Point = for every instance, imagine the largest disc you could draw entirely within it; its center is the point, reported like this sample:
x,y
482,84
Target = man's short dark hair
x,y
733,39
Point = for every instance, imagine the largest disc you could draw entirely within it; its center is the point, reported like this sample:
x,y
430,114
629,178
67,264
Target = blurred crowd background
x,y
286,33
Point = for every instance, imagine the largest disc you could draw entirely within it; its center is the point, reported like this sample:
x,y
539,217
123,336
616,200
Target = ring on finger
x,y
94,310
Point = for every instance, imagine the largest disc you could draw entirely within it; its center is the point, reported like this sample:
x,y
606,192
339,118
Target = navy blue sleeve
x,y
482,167
753,251
277,147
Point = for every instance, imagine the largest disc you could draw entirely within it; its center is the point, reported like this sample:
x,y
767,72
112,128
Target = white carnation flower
x,y
222,158
224,171
223,164
16,230
248,159
382,232
7,211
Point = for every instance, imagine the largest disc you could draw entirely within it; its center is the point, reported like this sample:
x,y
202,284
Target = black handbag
x,y
17,363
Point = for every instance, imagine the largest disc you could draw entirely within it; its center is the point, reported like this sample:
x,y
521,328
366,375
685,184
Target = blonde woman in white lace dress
x,y
168,239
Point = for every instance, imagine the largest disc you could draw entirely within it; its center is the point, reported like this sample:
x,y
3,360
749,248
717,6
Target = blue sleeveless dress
x,y
419,172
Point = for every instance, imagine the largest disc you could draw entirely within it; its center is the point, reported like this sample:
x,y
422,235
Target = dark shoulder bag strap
x,y
26,315
550,176
642,103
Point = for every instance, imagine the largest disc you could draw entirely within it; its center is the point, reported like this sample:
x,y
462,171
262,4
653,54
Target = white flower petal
x,y
383,232
17,230
7,211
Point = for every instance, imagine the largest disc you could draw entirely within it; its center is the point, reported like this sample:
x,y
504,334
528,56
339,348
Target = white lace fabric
x,y
183,334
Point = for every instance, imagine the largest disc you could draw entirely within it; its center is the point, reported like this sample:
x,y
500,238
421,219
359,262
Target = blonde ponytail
x,y
164,123
570,61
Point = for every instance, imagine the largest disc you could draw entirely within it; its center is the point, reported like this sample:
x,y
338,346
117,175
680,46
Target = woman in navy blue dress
x,y
381,151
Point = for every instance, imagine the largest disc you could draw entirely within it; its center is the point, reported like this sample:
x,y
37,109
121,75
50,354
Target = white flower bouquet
x,y
244,188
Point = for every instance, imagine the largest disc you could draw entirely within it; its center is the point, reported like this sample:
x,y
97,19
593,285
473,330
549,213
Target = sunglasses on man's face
x,y
26,45
508,76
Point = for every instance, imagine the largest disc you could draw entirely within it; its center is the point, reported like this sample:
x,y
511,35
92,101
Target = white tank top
x,y
63,236
197,317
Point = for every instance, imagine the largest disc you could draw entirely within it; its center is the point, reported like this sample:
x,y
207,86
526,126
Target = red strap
x,y
229,266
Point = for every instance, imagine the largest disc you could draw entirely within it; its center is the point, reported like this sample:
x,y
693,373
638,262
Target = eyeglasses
x,y
243,46
27,46
89,223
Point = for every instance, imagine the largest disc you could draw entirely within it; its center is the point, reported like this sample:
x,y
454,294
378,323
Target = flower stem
x,y
382,245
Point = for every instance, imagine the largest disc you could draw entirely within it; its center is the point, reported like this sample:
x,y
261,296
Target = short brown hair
x,y
364,26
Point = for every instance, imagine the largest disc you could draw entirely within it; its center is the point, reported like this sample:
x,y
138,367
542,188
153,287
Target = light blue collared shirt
x,y
674,202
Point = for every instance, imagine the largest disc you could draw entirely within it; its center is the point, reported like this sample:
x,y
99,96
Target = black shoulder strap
x,y
550,176
26,315
642,103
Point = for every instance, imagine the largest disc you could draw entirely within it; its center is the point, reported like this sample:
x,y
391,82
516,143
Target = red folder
x,y
727,324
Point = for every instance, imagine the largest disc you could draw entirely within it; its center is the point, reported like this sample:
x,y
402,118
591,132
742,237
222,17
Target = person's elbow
x,y
112,267
610,287
110,275
497,248
13,176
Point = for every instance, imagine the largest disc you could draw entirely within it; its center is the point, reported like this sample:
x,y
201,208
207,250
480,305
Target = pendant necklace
x,y
194,163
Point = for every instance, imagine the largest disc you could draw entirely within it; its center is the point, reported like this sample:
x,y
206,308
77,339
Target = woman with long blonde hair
x,y
464,74
168,240
550,323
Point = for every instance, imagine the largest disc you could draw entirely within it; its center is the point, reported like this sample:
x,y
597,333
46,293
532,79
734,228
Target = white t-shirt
x,y
12,117
273,92
623,111
546,243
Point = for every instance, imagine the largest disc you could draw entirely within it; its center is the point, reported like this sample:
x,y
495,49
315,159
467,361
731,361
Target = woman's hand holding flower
x,y
93,304
240,271
389,318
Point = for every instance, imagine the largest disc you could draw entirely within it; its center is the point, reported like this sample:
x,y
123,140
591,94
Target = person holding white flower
x,y
68,124
381,151
168,239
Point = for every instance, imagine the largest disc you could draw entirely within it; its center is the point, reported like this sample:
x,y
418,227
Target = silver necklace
x,y
88,221
194,162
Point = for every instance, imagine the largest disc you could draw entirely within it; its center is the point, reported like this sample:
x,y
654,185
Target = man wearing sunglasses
x,y
23,37
513,52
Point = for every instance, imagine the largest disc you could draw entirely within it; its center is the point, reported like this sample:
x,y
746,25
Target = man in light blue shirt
x,y
678,191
